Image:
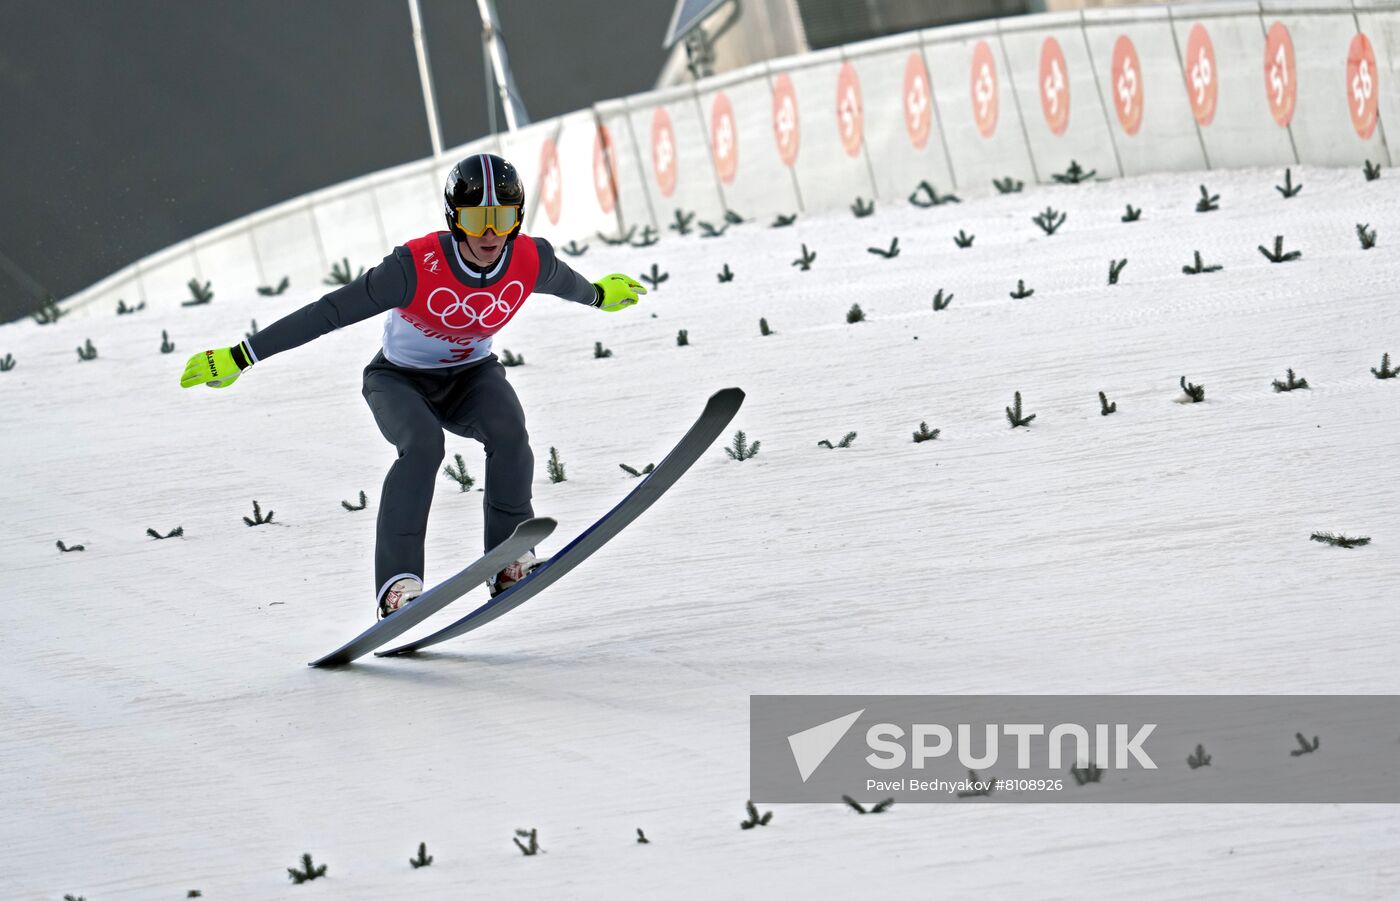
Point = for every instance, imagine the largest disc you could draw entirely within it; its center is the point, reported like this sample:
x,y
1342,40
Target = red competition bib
x,y
449,322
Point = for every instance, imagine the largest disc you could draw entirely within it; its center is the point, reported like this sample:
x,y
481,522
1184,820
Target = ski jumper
x,y
436,372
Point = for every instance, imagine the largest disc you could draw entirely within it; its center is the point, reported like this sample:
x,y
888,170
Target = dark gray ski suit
x,y
430,376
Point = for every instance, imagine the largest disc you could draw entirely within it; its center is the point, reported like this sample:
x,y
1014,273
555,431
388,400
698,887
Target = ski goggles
x,y
475,220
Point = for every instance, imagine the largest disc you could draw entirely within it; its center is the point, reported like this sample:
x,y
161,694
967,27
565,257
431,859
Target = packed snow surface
x,y
161,731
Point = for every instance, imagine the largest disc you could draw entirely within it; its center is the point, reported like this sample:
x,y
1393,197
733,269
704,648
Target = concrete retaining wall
x,y
1122,91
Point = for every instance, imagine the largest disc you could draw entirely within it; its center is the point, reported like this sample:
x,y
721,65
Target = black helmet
x,y
482,179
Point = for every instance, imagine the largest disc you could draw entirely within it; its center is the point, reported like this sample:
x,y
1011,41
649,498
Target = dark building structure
x,y
130,126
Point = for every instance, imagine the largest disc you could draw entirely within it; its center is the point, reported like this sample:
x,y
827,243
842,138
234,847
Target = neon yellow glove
x,y
617,292
217,368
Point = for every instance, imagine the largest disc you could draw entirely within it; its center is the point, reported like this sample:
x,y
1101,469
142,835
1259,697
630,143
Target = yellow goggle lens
x,y
475,220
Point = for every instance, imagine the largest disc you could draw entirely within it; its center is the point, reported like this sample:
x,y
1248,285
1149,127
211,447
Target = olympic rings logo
x,y
479,309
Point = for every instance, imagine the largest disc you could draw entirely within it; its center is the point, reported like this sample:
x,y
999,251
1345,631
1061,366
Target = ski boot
x,y
514,572
399,593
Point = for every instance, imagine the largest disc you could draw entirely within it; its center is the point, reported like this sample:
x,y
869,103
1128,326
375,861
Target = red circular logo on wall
x,y
604,170
918,101
724,138
1127,85
787,128
1362,86
1280,74
984,89
663,152
551,181
1054,86
850,114
1200,74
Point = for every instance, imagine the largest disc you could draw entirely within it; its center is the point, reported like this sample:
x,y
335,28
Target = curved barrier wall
x,y
1123,91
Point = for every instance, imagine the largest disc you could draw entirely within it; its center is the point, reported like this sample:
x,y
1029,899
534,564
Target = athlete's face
x,y
483,250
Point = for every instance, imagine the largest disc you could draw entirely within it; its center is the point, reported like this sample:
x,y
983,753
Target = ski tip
x,y
733,396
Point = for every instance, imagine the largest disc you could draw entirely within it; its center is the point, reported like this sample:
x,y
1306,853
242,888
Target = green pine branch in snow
x,y
1014,414
755,819
1340,540
533,847
258,518
1304,746
1292,384
845,442
740,449
682,223
1083,775
199,294
340,273
269,291
308,871
1208,202
459,474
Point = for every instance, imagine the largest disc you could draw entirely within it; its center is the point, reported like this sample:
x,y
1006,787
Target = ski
x,y
526,535
718,413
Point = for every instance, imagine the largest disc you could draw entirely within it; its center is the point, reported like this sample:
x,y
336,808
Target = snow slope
x,y
161,732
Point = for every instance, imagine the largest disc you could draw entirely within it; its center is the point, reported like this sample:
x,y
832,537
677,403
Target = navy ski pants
x,y
413,407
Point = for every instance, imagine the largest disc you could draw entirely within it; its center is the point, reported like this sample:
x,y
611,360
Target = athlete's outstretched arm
x,y
387,285
612,292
